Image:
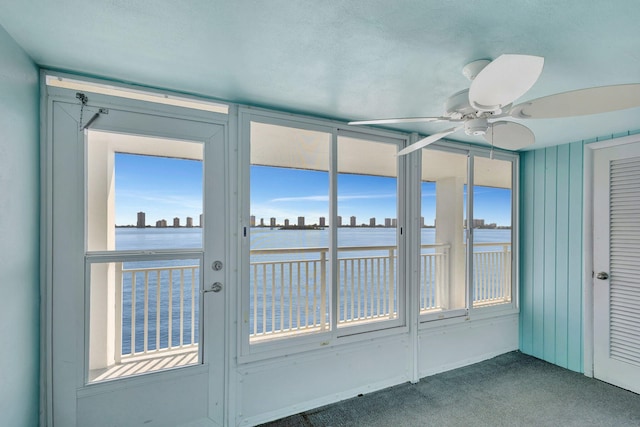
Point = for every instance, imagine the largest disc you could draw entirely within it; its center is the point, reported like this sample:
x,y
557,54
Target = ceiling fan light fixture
x,y
476,127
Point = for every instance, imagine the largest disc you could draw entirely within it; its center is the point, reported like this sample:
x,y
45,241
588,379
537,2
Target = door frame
x,y
588,241
51,95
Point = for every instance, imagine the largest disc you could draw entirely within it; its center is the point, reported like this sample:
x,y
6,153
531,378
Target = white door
x,y
616,280
137,327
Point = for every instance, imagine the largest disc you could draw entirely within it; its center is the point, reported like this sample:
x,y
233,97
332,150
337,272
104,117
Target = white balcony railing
x,y
491,273
157,308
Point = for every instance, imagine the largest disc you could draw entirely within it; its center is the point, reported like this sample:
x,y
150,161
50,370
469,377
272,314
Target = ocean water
x,y
267,238
261,238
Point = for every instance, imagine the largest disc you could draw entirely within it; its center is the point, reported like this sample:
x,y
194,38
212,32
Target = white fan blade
x,y
426,141
400,120
504,80
580,102
509,135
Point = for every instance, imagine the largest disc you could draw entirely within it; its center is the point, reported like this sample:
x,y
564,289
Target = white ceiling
x,y
340,59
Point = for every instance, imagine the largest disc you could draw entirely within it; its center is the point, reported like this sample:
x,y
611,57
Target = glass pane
x,y
492,207
143,317
442,246
289,289
143,193
367,236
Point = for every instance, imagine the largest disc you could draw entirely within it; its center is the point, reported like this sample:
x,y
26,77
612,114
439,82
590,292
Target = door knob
x,y
215,287
602,275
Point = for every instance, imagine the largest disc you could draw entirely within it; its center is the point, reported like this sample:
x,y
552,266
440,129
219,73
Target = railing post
x,y
118,314
323,290
392,283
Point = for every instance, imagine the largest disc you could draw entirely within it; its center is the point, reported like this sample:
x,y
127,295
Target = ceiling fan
x,y
495,85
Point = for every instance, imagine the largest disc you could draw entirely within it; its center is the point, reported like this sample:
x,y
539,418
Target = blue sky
x,y
165,188
161,187
289,193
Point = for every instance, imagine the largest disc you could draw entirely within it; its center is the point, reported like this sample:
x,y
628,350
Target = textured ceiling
x,y
340,59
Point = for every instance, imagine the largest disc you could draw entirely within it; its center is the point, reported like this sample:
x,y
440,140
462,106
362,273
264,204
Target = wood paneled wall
x,y
551,282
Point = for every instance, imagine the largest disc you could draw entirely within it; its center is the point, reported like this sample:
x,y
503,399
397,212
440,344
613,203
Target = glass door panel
x,y
155,321
143,194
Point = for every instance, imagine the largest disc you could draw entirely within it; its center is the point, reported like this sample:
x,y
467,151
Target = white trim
x,y
587,259
629,139
130,92
46,268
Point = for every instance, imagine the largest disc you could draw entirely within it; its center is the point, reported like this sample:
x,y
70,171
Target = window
x,y
367,231
324,246
323,233
289,290
442,247
447,287
492,231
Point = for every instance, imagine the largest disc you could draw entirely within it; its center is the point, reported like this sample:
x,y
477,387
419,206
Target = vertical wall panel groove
x,y
551,254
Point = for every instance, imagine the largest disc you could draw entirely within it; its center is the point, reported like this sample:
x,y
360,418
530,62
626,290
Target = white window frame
x,y
470,312
248,352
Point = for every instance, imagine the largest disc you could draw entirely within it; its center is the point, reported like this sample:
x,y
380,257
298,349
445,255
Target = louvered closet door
x,y
617,265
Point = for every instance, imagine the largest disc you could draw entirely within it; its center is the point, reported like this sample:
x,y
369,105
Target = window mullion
x,y
333,231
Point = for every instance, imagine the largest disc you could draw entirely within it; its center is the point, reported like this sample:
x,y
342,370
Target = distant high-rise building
x,y
189,222
272,222
176,222
159,223
394,222
252,220
261,222
201,221
300,221
322,221
339,221
141,220
352,221
387,222
422,221
164,223
286,222
372,222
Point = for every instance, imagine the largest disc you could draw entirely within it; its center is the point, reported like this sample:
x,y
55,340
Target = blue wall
x,y
551,289
19,236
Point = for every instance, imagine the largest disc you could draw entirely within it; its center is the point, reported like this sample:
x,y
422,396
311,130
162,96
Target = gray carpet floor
x,y
509,390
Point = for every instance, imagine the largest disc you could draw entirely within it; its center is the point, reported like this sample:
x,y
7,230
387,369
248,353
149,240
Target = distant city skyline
x,y
166,188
